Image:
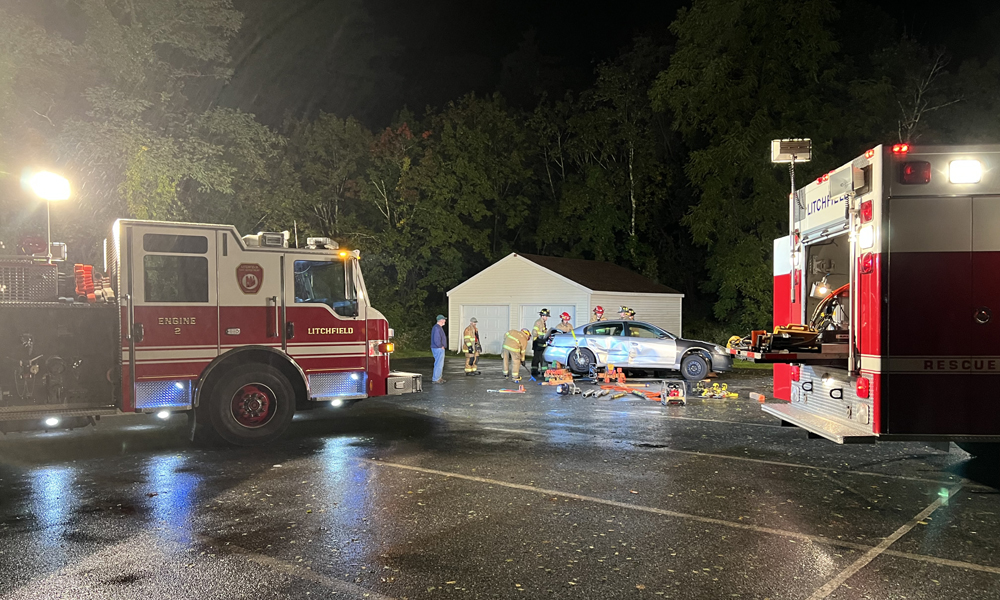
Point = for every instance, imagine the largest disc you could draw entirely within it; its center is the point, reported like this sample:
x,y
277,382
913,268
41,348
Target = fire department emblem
x,y
250,277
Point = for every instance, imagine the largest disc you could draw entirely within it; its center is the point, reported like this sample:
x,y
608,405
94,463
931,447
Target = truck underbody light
x,y
965,171
52,422
163,414
337,403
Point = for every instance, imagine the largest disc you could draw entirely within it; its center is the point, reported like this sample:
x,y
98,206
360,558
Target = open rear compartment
x,y
57,356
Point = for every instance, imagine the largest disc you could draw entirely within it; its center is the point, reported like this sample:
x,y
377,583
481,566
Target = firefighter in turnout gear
x,y
564,325
470,338
539,332
626,314
515,345
598,313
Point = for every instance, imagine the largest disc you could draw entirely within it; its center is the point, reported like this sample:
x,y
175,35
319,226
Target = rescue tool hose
x,y
823,303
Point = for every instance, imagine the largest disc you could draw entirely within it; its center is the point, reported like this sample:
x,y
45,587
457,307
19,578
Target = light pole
x,y
49,186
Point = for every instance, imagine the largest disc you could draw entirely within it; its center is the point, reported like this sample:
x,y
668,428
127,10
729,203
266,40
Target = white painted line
x,y
755,460
731,524
831,586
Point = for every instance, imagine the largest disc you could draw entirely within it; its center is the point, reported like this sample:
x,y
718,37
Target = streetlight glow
x,y
49,186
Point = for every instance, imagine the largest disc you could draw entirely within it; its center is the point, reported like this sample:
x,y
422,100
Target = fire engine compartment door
x,y
174,306
929,384
250,299
328,324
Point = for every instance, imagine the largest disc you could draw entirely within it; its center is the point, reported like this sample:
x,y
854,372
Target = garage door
x,y
529,314
494,322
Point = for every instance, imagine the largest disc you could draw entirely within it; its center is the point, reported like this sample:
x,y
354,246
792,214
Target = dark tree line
x,y
660,165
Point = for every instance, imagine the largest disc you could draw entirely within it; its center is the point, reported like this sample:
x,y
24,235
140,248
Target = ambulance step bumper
x,y
401,382
817,425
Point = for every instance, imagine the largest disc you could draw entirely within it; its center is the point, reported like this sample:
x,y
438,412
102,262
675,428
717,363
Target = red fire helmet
x,y
598,310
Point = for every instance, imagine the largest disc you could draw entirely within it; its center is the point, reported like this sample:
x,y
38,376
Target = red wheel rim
x,y
254,405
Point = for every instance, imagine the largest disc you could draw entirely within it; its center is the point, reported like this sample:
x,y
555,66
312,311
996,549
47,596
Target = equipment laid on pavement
x,y
519,390
674,392
716,391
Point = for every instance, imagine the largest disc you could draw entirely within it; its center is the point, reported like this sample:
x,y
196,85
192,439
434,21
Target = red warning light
x,y
900,148
863,387
915,173
867,211
870,153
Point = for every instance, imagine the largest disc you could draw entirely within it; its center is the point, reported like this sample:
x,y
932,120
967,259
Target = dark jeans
x,y
537,362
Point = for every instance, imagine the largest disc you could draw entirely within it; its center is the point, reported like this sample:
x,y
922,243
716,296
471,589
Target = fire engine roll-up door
x,y
942,366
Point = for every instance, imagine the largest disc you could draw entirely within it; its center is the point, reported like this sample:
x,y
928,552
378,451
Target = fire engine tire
x,y
252,405
694,367
580,361
987,451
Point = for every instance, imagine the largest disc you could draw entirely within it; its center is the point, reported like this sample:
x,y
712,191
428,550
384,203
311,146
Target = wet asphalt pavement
x,y
458,492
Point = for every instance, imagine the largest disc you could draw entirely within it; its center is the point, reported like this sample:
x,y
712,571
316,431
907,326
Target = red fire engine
x,y
239,331
888,281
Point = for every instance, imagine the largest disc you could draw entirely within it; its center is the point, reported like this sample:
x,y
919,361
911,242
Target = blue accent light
x,y
170,393
332,385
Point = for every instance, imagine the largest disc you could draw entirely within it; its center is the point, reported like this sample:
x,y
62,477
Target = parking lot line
x,y
759,460
882,547
831,586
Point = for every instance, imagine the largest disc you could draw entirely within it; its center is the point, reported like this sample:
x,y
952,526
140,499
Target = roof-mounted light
x,y
900,148
870,153
965,171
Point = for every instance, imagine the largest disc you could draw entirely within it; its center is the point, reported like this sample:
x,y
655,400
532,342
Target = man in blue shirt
x,y
439,341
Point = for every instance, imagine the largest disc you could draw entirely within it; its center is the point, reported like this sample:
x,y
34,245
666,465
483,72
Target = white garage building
x,y
509,294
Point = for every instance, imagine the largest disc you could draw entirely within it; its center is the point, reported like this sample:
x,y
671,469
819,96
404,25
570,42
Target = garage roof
x,y
599,275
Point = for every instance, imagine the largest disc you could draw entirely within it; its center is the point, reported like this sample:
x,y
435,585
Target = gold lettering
x,y
330,330
177,321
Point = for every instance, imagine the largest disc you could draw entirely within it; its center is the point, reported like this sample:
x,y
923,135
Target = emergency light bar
x,y
321,242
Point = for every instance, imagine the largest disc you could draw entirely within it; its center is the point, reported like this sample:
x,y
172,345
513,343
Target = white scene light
x,y
51,422
337,403
49,186
866,237
163,414
965,171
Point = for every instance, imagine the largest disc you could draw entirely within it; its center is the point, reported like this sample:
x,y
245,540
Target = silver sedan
x,y
635,345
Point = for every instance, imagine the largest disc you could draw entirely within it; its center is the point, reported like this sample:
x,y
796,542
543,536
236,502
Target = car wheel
x,y
694,367
253,404
581,360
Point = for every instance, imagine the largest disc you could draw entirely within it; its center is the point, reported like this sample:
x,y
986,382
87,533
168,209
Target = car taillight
x,y
863,387
915,172
867,263
867,211
796,372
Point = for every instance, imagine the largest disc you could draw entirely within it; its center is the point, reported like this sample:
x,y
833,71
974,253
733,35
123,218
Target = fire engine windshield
x,y
320,282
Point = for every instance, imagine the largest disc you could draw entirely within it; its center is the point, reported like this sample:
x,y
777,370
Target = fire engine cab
x,y
888,283
238,331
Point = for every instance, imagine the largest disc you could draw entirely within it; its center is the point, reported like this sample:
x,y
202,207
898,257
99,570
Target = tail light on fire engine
x,y
867,211
386,347
796,372
863,387
916,172
867,263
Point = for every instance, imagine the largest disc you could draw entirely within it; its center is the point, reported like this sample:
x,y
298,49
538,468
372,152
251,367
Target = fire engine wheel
x,y
694,367
580,361
253,404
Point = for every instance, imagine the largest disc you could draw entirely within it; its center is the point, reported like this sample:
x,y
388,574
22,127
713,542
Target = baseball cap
x,y
439,317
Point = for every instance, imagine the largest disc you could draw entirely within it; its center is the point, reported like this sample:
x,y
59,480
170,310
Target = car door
x,y
604,339
650,346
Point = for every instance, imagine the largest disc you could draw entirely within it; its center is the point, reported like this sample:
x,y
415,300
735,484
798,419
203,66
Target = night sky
x,y
370,59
